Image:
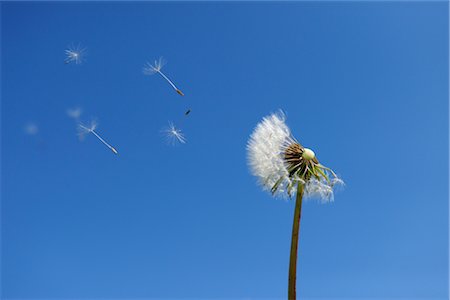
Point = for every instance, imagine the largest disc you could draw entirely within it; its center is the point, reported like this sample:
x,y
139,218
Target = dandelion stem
x,y
294,244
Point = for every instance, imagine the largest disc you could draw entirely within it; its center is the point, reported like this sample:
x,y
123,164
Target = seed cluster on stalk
x,y
284,167
281,163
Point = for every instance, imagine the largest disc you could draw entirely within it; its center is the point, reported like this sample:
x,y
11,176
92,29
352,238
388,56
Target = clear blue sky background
x,y
363,84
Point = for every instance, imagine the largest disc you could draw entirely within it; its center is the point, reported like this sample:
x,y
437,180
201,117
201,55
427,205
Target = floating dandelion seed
x,y
85,129
75,54
174,134
285,167
74,113
150,69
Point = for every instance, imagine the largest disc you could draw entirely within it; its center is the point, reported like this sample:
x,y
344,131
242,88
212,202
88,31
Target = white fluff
x,y
265,155
74,113
265,150
150,69
75,54
174,135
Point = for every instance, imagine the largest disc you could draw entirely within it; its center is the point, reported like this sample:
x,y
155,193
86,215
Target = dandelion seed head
x,y
280,163
174,135
75,54
155,67
84,129
264,153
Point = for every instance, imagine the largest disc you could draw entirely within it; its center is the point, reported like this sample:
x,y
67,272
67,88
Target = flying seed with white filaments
x,y
75,54
174,135
85,129
150,69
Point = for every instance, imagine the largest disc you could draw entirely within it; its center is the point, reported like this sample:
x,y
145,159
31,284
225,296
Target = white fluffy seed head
x,y
152,68
75,54
266,156
174,135
265,153
84,129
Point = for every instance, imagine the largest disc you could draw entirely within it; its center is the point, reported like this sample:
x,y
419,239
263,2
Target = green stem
x,y
294,243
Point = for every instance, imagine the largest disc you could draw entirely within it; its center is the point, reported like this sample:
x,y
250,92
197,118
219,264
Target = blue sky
x,y
363,84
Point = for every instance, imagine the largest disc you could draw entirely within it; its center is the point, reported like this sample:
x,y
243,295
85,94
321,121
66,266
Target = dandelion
x,y
85,129
284,167
74,113
75,54
174,134
150,69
